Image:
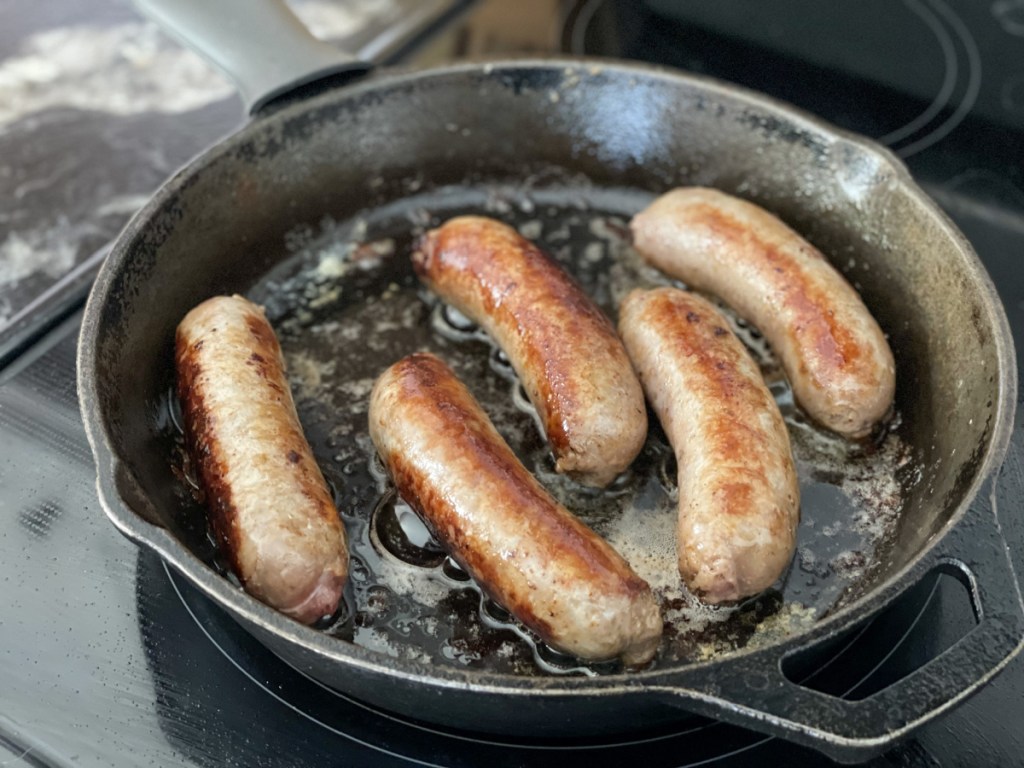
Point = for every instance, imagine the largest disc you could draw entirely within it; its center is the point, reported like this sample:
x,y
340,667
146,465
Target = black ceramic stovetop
x,y
107,659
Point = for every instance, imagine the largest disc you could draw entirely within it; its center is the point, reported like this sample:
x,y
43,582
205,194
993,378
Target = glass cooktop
x,y
106,658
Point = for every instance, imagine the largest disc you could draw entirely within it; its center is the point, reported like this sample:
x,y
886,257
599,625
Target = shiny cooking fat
x,y
408,599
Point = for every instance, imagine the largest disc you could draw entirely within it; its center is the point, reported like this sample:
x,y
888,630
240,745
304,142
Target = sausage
x,y
835,356
564,349
524,549
739,499
269,505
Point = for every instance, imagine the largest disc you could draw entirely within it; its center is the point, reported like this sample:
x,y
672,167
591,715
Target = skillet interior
x,y
553,144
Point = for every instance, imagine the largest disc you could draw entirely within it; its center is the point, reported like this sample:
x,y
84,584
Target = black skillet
x,y
567,149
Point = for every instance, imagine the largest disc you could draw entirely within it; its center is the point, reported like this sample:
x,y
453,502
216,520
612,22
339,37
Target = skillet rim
x,y
240,605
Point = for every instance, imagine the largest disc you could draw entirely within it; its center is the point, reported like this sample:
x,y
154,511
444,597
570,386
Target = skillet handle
x,y
756,693
259,44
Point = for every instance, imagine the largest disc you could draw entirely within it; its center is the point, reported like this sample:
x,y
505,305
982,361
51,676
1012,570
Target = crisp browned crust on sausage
x,y
526,551
269,505
565,350
738,489
834,353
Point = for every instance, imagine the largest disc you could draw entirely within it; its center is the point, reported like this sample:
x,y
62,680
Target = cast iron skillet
x,y
575,135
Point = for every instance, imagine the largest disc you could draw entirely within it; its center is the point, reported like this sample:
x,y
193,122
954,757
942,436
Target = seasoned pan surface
x,y
346,305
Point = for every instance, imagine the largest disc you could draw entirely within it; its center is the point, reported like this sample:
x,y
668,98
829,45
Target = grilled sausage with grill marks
x,y
269,505
834,353
738,489
564,349
524,549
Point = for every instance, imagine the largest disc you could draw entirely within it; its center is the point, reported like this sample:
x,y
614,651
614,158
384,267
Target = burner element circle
x,y
1010,15
859,662
906,74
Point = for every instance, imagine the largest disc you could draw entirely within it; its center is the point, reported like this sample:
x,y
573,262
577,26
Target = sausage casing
x,y
834,353
564,349
270,507
738,489
524,549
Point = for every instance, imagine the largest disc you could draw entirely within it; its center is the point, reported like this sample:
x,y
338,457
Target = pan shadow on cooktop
x,y
222,698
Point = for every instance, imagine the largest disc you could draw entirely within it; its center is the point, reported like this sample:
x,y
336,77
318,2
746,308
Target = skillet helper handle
x,y
259,44
976,553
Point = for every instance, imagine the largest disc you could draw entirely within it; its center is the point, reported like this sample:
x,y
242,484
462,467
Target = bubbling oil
x,y
346,305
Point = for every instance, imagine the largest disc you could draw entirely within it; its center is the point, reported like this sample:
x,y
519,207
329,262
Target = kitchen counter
x,y
98,107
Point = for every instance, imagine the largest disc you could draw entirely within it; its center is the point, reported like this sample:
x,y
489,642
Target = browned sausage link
x,y
738,490
269,505
834,353
566,352
526,551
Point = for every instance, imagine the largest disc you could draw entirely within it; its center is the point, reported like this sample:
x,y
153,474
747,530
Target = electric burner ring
x,y
453,742
934,17
961,62
426,729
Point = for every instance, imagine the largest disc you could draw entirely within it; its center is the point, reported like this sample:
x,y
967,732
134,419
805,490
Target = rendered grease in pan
x,y
346,305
